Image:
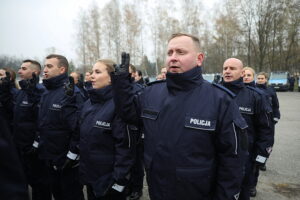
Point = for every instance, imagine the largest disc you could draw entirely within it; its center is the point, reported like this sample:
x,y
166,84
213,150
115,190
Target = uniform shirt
x,y
58,115
191,136
105,155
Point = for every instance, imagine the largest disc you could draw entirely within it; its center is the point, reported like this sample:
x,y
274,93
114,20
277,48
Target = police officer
x,y
254,110
59,138
79,82
105,148
25,127
261,83
262,80
191,127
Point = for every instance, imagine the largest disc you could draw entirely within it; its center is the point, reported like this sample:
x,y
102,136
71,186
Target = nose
x,y
19,71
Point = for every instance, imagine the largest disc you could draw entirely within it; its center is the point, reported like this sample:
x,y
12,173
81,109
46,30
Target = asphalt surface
x,y
281,180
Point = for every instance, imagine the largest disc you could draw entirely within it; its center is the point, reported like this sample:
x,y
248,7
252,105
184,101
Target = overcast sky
x,y
29,27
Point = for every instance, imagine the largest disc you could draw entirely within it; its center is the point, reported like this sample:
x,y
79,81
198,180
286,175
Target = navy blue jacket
x,y
255,111
12,179
105,155
272,96
58,116
26,115
7,105
191,136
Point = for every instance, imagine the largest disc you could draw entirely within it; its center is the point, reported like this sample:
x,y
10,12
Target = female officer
x,y
249,74
104,141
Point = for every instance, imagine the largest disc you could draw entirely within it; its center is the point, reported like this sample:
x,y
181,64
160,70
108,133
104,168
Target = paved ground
x,y
281,181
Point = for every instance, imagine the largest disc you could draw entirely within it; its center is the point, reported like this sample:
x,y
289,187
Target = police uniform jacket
x,y
105,155
272,96
7,104
25,115
58,115
254,109
191,136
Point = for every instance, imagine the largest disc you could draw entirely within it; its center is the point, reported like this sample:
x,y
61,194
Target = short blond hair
x,y
250,69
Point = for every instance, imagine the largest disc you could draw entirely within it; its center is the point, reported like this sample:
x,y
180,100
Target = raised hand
x,y
124,66
70,86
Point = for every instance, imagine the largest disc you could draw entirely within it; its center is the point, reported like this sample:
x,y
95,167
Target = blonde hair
x,y
109,64
250,69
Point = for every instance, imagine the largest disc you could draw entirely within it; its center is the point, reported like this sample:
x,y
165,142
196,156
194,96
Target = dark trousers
x,y
111,196
35,171
65,184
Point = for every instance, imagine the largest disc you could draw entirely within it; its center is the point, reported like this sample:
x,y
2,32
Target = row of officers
x,y
194,140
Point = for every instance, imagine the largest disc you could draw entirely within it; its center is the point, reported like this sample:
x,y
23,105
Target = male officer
x,y
191,127
59,136
25,127
254,110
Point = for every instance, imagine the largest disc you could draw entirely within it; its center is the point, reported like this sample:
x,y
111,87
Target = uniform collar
x,y
184,81
55,82
252,84
264,86
100,95
234,86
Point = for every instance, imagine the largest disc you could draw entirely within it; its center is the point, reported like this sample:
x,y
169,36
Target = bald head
x,y
232,69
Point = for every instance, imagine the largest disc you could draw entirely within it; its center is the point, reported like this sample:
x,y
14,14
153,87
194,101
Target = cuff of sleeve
x,y
261,159
73,156
35,144
275,119
118,188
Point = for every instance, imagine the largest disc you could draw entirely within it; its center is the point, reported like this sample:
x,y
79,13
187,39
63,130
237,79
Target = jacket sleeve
x,y
263,130
275,106
71,111
7,99
231,149
126,101
123,154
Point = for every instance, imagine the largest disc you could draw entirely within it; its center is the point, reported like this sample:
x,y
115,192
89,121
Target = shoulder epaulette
x,y
255,89
225,89
155,82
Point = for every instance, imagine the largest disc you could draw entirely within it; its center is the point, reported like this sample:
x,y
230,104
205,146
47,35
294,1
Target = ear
x,y
62,70
242,73
200,58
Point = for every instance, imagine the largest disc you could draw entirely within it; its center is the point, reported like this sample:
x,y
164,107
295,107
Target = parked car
x,y
280,81
209,77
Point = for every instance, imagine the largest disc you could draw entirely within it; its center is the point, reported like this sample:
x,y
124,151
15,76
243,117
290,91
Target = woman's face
x,y
248,76
100,77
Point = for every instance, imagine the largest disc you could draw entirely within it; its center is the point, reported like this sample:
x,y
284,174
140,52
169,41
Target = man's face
x,y
52,69
248,76
87,76
261,79
182,55
25,71
75,76
232,70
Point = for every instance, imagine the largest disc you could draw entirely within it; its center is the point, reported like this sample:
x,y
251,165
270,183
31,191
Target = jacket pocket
x,y
150,114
